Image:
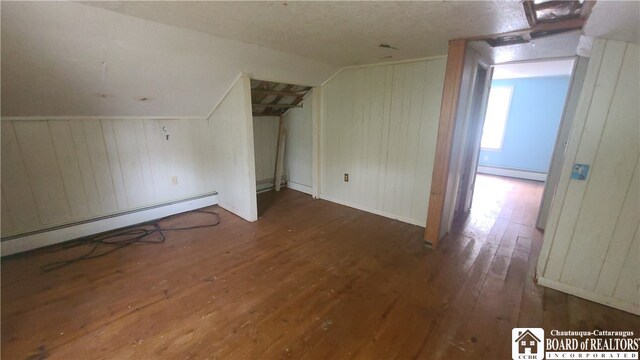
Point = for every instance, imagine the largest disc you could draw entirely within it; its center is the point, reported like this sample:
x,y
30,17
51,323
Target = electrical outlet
x,y
174,180
346,177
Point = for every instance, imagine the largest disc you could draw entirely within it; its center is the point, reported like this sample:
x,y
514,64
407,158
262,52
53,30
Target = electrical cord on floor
x,y
122,238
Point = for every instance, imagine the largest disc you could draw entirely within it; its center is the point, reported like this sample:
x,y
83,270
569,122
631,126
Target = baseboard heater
x,y
514,173
14,244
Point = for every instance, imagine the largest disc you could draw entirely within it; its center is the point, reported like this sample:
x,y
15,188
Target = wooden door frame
x,y
448,112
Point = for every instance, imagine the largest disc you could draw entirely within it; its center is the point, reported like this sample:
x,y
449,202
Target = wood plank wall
x,y
592,241
61,171
233,151
299,149
265,136
379,124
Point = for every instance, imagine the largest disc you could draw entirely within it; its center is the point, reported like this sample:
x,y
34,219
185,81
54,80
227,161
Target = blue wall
x,y
534,117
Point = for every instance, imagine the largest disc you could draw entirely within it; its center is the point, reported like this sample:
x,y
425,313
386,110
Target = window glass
x,y
495,121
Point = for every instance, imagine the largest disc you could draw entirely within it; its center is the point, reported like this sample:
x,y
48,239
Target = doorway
x,y
525,125
283,139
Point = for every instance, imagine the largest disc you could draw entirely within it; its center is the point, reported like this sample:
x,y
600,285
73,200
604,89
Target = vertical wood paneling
x,y
69,168
588,142
17,196
428,136
115,169
83,158
591,242
627,288
143,155
613,165
624,233
265,137
100,165
299,144
6,225
128,156
155,138
378,126
78,169
234,159
43,172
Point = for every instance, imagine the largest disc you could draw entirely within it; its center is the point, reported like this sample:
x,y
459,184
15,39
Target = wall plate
x,y
580,172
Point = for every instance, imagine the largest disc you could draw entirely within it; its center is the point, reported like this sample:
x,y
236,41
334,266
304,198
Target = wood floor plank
x,y
311,279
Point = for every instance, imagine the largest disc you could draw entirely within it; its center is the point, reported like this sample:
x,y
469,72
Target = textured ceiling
x,y
617,20
339,33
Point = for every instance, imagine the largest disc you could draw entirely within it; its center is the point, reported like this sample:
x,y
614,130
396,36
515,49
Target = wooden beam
x,y
448,111
282,137
281,93
587,6
530,12
277,99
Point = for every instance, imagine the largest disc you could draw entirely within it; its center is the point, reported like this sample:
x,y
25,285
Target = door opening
x,y
282,133
525,126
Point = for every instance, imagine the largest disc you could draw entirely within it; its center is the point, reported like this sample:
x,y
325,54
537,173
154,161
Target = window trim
x,y
506,121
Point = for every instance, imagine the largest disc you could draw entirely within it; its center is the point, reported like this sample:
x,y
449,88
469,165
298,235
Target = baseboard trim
x,y
300,187
375,211
591,296
267,184
36,240
520,174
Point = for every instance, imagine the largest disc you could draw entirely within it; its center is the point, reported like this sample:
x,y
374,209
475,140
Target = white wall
x,y
579,72
592,241
299,146
233,151
265,135
62,171
379,125
57,172
70,59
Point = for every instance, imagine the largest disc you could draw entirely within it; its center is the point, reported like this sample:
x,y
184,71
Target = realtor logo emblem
x,y
527,344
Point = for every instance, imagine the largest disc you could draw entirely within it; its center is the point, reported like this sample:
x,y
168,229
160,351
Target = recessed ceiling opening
x,y
274,99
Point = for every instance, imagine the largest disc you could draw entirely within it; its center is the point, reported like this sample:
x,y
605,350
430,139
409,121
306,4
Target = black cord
x,y
123,238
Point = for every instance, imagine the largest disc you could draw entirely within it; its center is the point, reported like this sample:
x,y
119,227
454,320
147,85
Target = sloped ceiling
x,y
340,33
68,59
178,58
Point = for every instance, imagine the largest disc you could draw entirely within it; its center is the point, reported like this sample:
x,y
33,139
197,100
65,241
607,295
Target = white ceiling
x,y
67,59
340,33
617,20
533,69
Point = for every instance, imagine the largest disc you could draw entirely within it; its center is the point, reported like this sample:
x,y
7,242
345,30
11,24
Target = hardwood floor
x,y
310,279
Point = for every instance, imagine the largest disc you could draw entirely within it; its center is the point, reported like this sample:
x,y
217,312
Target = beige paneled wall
x,y
299,148
61,171
379,125
591,244
265,136
233,151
